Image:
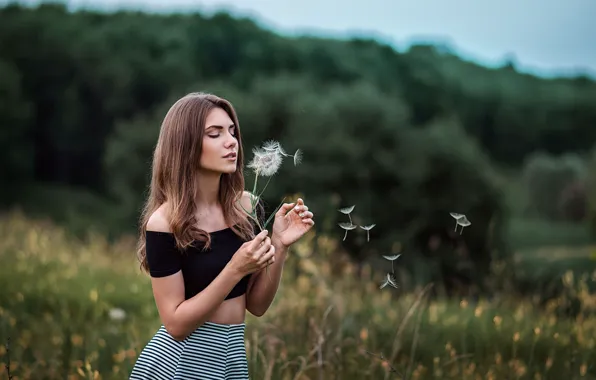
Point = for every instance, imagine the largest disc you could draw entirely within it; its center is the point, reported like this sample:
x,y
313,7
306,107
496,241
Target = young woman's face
x,y
220,146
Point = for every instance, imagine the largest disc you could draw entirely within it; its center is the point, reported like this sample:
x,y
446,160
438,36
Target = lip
x,y
230,155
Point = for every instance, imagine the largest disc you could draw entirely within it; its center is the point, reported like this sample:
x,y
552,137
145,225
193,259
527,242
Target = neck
x,y
207,190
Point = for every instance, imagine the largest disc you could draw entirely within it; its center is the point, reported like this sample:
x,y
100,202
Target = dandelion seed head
x,y
391,258
456,215
271,145
265,162
347,210
347,226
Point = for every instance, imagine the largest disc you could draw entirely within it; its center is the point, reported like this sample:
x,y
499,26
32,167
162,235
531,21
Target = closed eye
x,y
214,136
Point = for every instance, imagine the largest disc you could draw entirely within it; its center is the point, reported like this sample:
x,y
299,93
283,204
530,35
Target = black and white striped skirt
x,y
212,352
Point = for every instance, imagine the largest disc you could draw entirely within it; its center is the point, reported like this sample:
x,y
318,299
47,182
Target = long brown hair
x,y
174,174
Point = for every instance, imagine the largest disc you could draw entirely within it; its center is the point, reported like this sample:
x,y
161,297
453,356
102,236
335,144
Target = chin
x,y
229,170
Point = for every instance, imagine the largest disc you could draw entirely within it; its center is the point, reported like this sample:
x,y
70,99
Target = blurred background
x,y
407,111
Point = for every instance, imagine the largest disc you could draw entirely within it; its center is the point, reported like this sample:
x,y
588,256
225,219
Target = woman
x,y
202,253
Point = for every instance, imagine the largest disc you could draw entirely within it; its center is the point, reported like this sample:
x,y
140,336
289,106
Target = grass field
x,y
75,310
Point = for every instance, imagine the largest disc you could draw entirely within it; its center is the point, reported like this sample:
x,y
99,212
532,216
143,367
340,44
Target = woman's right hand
x,y
254,255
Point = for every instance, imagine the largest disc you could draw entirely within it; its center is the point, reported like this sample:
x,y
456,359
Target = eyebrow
x,y
219,126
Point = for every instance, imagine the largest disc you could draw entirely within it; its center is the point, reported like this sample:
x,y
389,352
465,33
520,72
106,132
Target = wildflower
x,y
389,280
347,211
392,259
347,227
367,229
117,314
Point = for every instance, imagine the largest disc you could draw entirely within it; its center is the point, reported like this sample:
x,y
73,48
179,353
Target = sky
x,y
545,37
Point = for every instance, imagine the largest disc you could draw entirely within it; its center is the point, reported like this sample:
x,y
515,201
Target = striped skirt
x,y
212,352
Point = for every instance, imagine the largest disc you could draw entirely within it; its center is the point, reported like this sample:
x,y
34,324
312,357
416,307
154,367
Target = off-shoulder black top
x,y
199,267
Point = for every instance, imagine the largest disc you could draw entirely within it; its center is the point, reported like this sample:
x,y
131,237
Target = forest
x,y
407,137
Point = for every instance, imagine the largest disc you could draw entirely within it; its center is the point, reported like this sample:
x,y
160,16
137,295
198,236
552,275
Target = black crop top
x,y
199,267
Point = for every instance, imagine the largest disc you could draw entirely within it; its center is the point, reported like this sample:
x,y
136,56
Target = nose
x,y
230,141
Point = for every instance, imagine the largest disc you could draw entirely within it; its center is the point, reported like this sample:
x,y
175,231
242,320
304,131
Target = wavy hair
x,y
174,174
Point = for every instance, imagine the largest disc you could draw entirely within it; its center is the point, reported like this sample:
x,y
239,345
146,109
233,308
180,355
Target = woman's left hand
x,y
291,222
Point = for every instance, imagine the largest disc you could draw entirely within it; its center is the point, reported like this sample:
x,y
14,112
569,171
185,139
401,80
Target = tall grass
x,y
82,310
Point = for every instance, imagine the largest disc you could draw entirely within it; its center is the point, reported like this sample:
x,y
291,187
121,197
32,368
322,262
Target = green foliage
x,y
83,310
408,137
524,233
552,185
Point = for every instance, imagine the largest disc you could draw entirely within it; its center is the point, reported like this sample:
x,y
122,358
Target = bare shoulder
x,y
159,220
246,200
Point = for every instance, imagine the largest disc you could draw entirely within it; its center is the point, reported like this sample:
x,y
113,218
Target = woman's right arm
x,y
181,317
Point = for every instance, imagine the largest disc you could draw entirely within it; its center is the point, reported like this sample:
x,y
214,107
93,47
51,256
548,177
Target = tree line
x,y
406,136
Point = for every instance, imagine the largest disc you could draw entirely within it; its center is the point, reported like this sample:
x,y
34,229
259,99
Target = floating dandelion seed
x,y
392,259
367,229
463,222
274,146
389,280
457,217
347,211
297,157
347,227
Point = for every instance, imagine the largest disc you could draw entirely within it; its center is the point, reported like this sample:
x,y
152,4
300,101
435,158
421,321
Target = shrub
x,y
546,179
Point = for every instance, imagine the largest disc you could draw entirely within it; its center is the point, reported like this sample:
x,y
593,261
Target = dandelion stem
x,y
254,187
262,191
456,226
345,235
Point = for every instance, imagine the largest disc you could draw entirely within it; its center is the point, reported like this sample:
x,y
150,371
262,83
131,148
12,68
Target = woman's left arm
x,y
262,287
291,222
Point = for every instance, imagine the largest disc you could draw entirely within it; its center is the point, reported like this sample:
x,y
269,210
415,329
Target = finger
x,y
269,262
262,249
256,242
300,209
284,209
308,221
307,214
267,256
